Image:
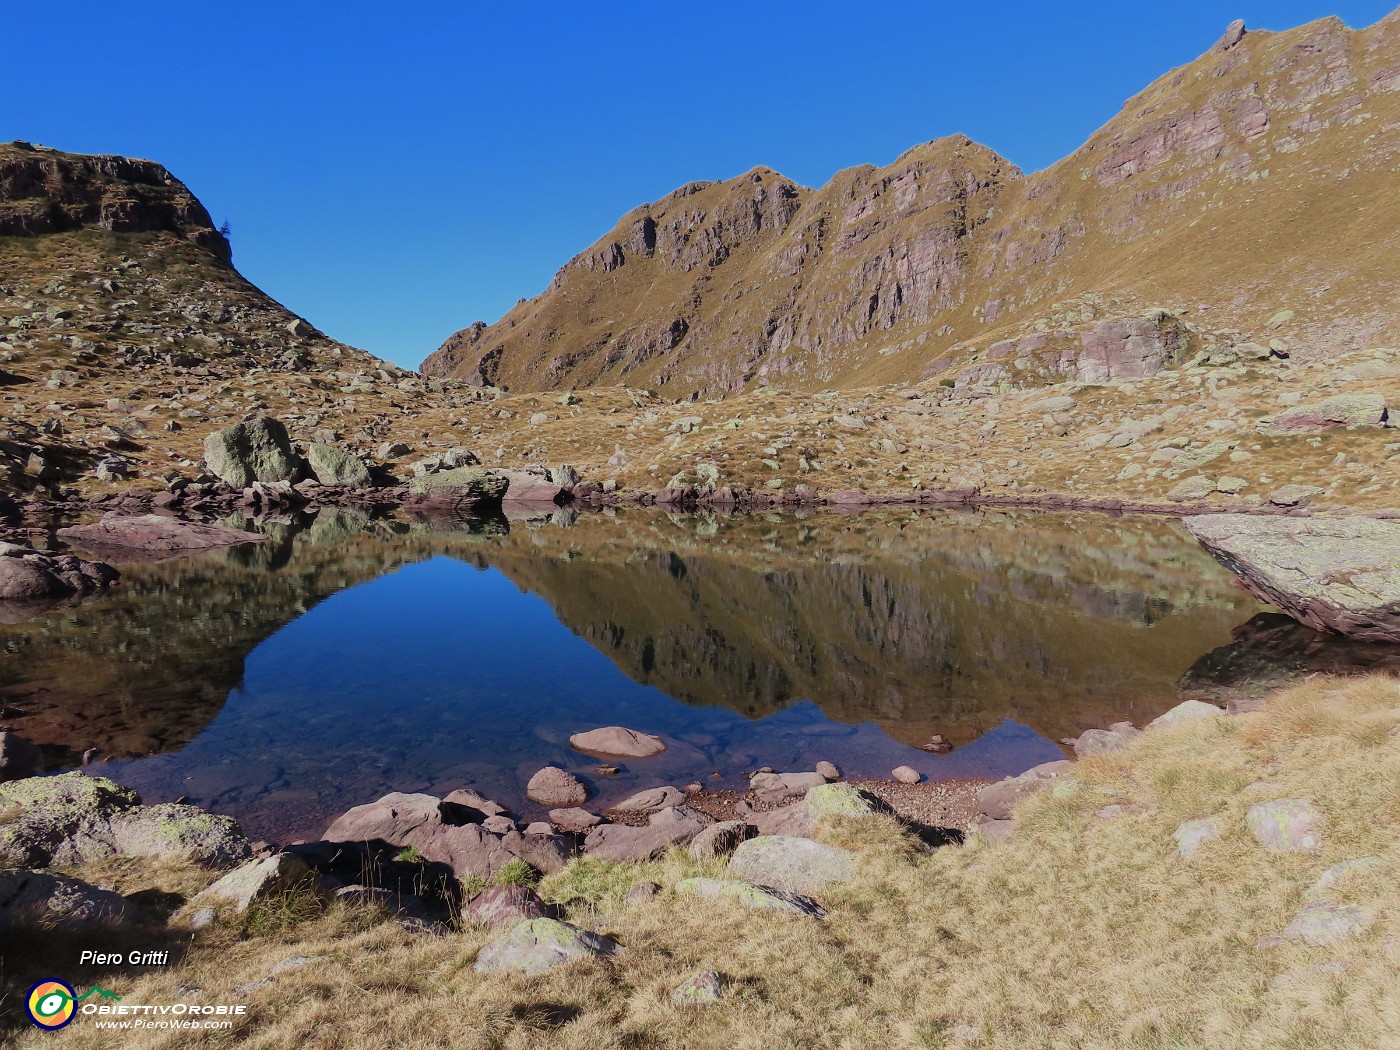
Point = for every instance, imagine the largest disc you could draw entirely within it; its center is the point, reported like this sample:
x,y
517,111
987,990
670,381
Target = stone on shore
x,y
906,774
465,489
1339,575
775,787
254,450
997,800
1104,741
1186,711
651,800
672,826
249,883
799,865
720,839
617,742
332,466
556,787
537,945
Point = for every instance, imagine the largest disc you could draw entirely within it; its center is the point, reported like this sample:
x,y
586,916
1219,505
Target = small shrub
x,y
409,855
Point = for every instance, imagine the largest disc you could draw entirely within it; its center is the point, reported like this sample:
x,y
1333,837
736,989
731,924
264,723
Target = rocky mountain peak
x,y
43,190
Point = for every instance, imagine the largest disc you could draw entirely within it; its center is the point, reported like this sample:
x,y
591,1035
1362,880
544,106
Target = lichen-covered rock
x,y
843,800
760,898
332,466
249,883
1323,924
31,898
702,989
798,865
1340,575
1292,825
1344,410
537,945
171,829
254,450
465,489
61,820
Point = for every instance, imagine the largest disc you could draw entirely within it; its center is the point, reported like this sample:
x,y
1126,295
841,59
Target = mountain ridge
x,y
876,275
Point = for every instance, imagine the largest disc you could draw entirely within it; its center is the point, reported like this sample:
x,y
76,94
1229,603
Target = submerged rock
x,y
157,534
617,742
1340,575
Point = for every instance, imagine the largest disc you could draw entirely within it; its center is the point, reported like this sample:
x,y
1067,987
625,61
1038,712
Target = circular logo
x,y
51,1003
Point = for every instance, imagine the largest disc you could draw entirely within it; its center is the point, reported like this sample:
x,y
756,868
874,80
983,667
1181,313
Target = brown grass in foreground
x,y
1080,932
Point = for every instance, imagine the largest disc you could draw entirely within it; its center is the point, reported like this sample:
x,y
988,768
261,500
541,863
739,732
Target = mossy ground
x,y
1078,932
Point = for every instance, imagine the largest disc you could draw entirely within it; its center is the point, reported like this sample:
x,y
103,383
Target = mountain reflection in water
x,y
284,682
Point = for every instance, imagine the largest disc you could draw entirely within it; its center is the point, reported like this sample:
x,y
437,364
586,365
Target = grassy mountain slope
x,y
1257,179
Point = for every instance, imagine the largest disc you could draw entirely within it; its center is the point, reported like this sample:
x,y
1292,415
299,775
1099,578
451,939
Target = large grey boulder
x,y
537,945
254,450
1339,575
760,898
785,862
31,898
1127,348
332,466
73,818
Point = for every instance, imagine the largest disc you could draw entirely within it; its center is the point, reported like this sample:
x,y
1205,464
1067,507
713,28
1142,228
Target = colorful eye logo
x,y
51,1003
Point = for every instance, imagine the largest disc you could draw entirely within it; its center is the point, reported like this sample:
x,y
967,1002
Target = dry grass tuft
x,y
1080,931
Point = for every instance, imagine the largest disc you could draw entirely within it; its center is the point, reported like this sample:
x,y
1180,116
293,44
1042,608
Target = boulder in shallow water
x,y
617,742
1339,575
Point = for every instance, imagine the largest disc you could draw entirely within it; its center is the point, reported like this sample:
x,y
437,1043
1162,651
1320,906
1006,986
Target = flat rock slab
x,y
1292,825
1322,924
617,742
156,534
1340,575
798,865
760,898
537,945
672,826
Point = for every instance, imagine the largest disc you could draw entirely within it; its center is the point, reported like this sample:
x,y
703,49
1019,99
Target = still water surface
x,y
282,684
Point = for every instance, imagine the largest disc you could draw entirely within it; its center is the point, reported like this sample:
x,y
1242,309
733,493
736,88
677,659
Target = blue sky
x,y
395,171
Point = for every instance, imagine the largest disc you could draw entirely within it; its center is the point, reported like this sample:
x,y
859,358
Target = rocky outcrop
x,y
254,450
1334,574
451,833
1191,193
30,576
45,191
74,818
460,490
1344,410
38,899
155,534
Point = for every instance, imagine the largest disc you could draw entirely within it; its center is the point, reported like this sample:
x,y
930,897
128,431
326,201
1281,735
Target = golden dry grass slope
x,y
1081,931
1256,180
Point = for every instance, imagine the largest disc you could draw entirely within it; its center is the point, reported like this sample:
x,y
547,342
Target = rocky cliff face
x,y
1250,192
45,191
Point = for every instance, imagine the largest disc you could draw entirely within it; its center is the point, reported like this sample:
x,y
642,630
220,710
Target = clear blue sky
x,y
394,171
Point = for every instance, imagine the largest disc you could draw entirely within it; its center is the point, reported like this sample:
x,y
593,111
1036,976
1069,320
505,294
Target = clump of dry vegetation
x,y
1082,930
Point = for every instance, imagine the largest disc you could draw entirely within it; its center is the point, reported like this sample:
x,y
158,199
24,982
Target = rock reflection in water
x,y
355,655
